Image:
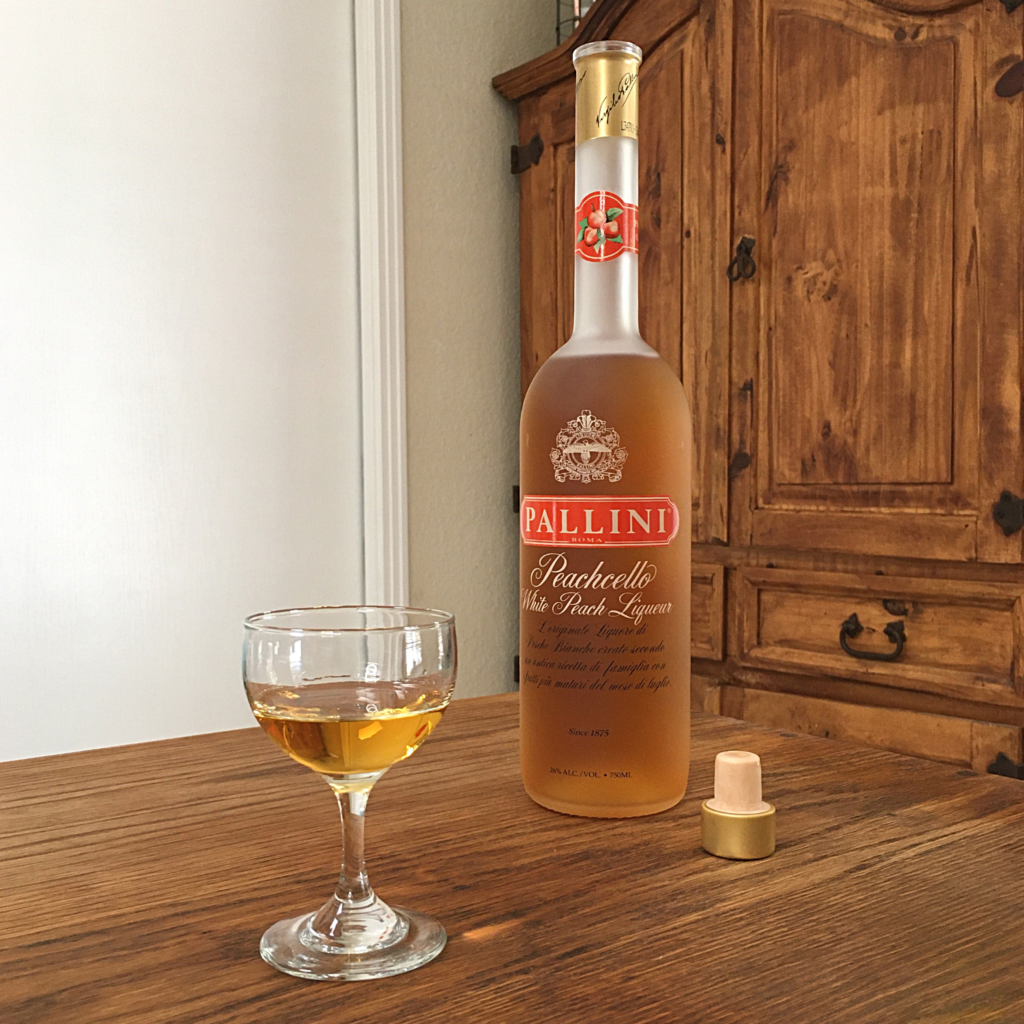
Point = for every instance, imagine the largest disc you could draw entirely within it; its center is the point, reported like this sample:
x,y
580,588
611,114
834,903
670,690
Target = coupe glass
x,y
347,692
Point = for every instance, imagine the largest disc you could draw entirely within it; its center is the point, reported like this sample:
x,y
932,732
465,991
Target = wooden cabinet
x,y
857,397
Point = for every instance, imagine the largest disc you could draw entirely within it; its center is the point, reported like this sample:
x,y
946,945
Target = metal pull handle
x,y
742,264
852,628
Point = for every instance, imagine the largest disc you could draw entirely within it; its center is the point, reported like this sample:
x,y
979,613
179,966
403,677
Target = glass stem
x,y
353,883
353,920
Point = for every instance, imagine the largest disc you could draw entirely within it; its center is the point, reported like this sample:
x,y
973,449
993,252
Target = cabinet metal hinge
x,y
740,461
515,499
1012,5
1004,765
1012,80
1008,513
515,670
524,157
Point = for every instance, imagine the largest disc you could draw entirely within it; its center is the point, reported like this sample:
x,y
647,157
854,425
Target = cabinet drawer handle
x,y
742,264
852,628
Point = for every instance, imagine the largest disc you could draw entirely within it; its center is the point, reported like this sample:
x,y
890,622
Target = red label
x,y
627,522
597,217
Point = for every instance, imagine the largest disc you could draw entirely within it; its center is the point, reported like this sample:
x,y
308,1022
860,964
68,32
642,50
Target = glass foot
x,y
292,947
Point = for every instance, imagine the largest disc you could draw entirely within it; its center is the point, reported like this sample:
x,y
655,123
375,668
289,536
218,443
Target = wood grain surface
x,y
135,884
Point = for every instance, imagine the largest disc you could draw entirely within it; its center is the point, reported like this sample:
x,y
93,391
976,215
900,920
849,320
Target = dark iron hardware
x,y
1004,765
524,157
740,461
852,628
1012,5
742,264
1012,81
515,499
1008,512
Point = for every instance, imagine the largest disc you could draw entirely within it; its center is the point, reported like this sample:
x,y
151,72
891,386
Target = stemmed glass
x,y
348,692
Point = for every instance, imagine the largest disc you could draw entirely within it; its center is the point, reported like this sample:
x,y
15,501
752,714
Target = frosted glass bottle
x,y
605,462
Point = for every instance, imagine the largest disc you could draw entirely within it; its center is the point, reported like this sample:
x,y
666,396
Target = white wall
x,y
462,317
178,353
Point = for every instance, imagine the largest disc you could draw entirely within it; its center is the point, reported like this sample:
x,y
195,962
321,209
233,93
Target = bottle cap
x,y
606,89
736,823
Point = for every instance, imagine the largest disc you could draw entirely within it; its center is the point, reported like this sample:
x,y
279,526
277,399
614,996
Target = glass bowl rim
x,y
255,624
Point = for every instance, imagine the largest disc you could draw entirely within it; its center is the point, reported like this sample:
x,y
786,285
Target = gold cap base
x,y
738,836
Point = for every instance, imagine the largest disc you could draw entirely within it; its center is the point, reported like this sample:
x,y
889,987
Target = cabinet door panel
x,y
868,307
565,248
540,220
860,200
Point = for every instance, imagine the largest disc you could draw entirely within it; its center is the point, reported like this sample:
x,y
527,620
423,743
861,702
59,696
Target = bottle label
x,y
598,521
605,227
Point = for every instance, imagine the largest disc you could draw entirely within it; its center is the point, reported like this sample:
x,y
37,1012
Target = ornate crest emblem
x,y
588,449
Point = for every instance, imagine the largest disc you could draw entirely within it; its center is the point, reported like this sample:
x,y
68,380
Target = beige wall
x,y
179,343
462,317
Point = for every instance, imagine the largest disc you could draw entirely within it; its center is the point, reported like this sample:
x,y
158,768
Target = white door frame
x,y
381,300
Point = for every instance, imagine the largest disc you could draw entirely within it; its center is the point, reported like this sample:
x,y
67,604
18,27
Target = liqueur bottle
x,y
605,460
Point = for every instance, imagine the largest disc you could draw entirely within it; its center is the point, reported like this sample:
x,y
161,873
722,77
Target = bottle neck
x,y
605,304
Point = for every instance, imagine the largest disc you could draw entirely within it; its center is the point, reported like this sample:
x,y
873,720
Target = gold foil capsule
x,y
606,89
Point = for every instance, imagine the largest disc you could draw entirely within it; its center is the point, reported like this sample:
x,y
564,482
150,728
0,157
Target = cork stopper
x,y
737,783
737,823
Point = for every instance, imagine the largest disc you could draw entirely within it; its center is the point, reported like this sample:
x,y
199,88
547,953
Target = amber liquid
x,y
325,728
605,701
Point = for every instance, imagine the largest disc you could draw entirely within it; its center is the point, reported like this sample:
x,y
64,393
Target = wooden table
x,y
135,884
